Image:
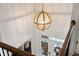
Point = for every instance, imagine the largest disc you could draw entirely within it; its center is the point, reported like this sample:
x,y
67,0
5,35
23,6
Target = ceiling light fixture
x,y
42,20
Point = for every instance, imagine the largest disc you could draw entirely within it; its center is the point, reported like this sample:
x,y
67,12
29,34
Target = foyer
x,y
20,37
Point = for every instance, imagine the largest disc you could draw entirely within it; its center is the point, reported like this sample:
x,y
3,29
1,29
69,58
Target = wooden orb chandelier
x,y
42,20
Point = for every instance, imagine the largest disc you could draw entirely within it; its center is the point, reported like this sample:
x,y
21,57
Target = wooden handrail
x,y
63,50
14,50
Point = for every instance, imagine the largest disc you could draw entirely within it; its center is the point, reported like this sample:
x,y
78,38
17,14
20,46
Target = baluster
x,y
3,52
7,52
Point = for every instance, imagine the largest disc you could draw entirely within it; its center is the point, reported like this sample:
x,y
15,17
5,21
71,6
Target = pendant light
x,y
42,20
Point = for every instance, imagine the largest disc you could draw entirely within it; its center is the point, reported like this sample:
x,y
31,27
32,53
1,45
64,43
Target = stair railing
x,y
13,50
64,50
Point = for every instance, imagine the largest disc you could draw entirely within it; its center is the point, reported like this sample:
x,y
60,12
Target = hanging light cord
x,y
42,6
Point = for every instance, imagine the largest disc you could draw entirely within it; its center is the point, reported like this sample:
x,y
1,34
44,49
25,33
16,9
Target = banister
x,y
63,50
14,50
19,52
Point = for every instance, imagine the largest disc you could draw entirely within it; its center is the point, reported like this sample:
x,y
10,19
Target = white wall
x,y
75,16
15,20
61,16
